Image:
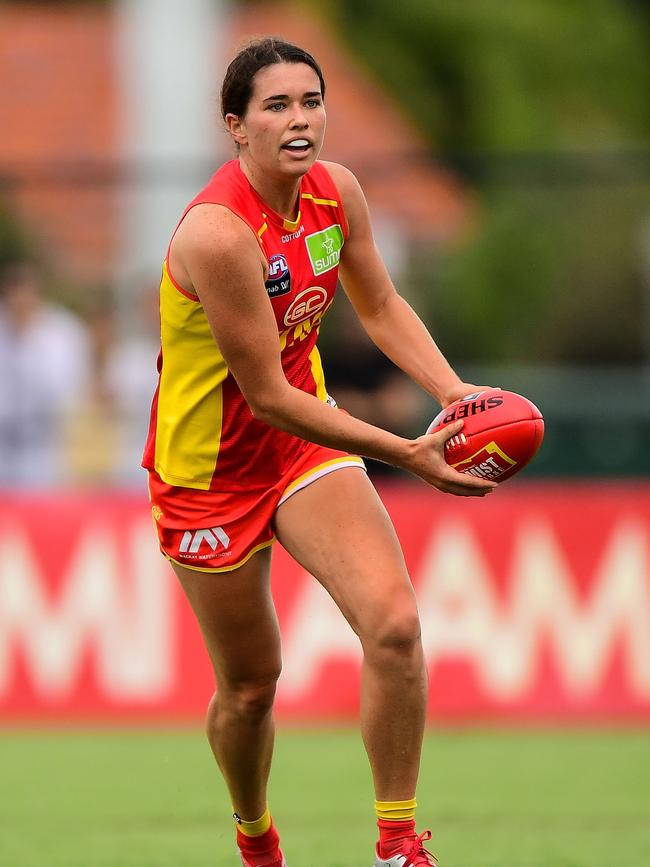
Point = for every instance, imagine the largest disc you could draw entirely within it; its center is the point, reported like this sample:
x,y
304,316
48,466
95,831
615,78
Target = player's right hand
x,y
427,460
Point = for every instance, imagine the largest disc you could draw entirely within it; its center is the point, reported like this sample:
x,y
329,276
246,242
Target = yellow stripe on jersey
x,y
291,225
262,229
188,429
332,202
318,374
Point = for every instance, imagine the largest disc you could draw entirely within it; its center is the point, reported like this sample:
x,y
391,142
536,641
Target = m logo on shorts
x,y
324,248
192,540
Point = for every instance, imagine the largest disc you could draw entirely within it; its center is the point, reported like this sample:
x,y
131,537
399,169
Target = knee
x,y
249,699
397,636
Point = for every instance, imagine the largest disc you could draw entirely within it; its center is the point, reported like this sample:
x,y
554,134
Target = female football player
x,y
247,447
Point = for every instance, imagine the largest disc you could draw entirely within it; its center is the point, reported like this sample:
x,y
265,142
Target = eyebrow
x,y
309,93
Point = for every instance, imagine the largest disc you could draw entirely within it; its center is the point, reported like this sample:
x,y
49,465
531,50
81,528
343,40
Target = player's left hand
x,y
462,389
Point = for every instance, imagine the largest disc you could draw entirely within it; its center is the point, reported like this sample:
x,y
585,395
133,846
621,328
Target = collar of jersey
x,y
269,214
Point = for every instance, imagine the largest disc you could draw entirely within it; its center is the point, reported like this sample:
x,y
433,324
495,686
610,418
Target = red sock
x,y
259,850
391,835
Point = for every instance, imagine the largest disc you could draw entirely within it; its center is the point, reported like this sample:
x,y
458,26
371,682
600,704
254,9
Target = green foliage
x,y
550,275
57,2
542,106
14,243
514,75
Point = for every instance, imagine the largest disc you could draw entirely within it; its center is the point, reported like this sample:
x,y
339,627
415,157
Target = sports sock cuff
x,y
255,828
396,811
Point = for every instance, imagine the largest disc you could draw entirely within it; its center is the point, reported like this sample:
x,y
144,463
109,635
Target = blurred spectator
x,y
43,369
368,385
106,433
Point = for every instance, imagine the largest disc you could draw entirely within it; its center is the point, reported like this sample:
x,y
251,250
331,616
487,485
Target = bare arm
x,y
221,258
389,320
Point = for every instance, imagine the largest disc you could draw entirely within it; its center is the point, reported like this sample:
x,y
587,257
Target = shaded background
x,y
504,152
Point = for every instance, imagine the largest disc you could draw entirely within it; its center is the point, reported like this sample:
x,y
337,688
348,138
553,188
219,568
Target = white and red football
x,y
502,432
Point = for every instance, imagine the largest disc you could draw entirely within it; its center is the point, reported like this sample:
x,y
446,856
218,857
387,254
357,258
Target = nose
x,y
298,117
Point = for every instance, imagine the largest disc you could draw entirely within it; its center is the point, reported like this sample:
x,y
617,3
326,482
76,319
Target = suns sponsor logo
x,y
324,248
305,305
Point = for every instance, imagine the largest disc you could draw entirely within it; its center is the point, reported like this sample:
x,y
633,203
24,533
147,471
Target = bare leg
x,y
338,529
238,621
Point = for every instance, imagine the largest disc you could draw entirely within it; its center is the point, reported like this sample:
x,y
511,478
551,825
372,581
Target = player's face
x,y
283,128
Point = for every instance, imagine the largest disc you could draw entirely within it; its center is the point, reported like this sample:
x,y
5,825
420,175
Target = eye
x,y
313,103
275,106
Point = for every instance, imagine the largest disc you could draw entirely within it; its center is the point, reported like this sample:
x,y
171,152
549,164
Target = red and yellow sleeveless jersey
x,y
202,433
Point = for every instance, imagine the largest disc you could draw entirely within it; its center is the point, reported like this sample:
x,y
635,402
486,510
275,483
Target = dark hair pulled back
x,y
237,84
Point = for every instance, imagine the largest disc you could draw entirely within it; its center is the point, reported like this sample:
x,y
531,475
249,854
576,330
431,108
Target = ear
x,y
236,128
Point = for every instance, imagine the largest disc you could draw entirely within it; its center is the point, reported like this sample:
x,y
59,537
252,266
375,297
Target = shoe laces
x,y
418,856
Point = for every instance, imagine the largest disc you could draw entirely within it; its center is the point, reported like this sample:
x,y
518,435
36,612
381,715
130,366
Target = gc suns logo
x,y
305,305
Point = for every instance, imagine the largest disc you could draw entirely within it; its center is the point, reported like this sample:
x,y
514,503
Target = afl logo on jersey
x,y
305,305
279,279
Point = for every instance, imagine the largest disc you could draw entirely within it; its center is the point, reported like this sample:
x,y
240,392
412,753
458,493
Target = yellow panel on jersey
x,y
188,431
203,434
318,374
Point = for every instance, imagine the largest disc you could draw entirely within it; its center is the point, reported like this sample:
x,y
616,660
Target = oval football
x,y
501,434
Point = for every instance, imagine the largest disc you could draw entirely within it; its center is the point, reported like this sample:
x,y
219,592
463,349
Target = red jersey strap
x,y
228,187
318,187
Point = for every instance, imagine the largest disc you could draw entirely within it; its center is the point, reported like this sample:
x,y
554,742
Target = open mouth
x,y
297,146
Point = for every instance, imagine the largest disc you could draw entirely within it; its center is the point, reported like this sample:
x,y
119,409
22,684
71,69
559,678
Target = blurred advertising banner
x,y
535,605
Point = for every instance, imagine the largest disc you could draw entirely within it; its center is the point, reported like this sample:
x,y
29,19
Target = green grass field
x,y
492,798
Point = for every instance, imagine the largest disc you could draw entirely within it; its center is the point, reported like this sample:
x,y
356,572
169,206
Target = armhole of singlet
x,y
344,220
174,282
191,295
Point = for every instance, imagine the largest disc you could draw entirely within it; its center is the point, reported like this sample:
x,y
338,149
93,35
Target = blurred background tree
x,y
539,109
542,108
15,244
